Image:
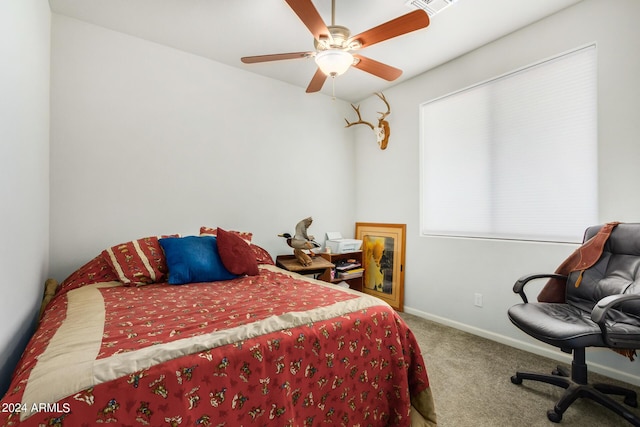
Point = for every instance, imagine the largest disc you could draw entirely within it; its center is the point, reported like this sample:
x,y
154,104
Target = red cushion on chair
x,y
236,254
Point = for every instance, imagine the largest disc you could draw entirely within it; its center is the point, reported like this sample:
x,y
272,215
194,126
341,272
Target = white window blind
x,y
514,157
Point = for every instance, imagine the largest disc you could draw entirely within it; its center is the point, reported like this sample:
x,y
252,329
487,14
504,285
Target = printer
x,y
339,245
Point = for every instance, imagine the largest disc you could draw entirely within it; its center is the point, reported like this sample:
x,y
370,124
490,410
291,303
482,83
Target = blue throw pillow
x,y
193,259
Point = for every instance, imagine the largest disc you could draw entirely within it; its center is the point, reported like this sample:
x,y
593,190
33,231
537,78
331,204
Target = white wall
x,y
442,274
24,172
146,139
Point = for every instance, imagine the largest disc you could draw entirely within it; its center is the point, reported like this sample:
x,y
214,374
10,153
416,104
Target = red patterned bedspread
x,y
266,350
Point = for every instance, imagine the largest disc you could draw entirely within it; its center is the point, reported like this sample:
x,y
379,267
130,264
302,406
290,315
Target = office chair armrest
x,y
599,312
518,287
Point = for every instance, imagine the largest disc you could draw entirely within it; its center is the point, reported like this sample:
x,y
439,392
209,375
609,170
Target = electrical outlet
x,y
477,300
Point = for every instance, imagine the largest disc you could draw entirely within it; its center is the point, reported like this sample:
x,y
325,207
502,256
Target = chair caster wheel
x,y
556,372
516,380
553,416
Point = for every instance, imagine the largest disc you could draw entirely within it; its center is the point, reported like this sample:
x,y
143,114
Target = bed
x,y
121,343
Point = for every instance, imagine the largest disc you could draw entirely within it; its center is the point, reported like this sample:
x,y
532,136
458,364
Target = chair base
x,y
575,390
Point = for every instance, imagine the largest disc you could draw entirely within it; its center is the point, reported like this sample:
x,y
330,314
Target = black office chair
x,y
603,311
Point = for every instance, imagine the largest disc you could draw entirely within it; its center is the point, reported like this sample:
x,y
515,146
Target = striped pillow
x,y
210,231
138,262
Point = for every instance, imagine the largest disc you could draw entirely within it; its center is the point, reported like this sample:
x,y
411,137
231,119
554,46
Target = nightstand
x,y
319,267
352,261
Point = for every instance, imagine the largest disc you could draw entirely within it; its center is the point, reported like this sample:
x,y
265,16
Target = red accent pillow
x,y
138,262
237,256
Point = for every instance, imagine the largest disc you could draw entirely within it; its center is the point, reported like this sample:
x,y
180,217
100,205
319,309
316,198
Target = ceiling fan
x,y
334,44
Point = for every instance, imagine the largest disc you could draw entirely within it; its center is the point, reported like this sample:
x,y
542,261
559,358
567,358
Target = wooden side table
x,y
319,266
355,283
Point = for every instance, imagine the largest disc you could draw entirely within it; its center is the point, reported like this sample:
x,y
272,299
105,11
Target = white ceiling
x,y
225,30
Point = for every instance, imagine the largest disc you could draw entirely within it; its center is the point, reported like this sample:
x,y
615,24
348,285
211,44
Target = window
x,y
514,157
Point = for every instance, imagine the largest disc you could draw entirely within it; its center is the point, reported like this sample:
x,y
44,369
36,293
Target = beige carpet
x,y
470,377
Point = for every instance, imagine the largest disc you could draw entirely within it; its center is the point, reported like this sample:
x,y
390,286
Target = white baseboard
x,y
545,351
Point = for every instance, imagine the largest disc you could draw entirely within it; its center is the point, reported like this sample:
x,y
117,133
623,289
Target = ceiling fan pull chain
x,y
333,88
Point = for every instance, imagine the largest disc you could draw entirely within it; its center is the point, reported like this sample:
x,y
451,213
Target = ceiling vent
x,y
430,6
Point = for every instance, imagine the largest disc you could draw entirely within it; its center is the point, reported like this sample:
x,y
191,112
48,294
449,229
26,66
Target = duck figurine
x,y
301,241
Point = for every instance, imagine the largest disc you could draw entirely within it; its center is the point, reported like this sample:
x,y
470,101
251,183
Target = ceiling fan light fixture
x,y
334,62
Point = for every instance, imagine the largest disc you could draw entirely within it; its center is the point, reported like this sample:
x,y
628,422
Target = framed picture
x,y
383,248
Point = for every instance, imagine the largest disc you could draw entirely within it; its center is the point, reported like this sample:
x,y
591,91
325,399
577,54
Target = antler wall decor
x,y
382,129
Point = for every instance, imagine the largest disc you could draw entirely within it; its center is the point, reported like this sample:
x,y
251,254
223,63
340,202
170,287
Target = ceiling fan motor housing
x,y
339,37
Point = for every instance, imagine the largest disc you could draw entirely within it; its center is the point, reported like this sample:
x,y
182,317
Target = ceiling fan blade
x,y
274,57
310,17
376,68
396,27
317,81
